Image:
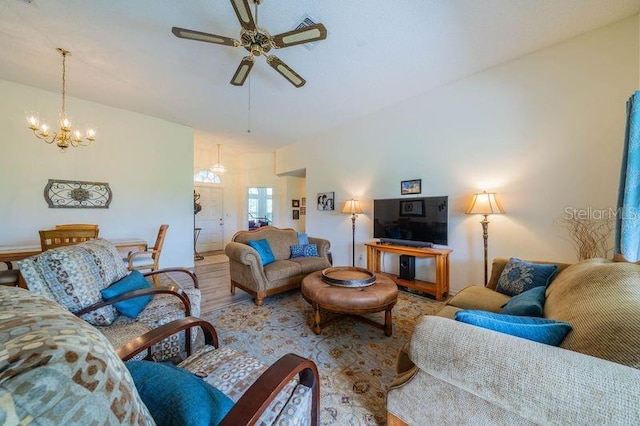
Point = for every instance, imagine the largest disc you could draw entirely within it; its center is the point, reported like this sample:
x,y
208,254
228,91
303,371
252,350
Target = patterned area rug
x,y
356,361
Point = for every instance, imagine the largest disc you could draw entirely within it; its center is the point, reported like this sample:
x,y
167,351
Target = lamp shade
x,y
485,203
352,207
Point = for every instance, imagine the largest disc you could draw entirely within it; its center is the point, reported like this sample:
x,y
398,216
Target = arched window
x,y
206,176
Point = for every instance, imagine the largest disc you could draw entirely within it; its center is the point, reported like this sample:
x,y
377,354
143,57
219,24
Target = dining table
x,y
11,253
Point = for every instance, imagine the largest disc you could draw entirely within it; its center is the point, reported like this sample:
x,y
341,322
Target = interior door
x,y
210,219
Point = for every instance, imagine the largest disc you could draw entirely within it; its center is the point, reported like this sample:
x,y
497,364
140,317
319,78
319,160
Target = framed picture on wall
x,y
413,186
325,200
303,210
296,214
295,203
304,202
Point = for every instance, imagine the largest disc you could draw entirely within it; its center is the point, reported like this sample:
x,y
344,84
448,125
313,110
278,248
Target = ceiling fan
x,y
258,42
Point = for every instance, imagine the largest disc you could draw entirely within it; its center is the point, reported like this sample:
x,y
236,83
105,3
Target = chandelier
x,y
64,137
218,168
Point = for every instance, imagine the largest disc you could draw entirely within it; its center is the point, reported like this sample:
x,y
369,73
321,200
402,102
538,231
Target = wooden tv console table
x,y
439,289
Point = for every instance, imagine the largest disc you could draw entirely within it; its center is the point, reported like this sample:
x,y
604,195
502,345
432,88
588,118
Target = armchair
x,y
261,394
74,276
59,370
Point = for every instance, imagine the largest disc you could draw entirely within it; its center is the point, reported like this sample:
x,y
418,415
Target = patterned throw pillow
x,y
304,250
74,275
518,276
541,330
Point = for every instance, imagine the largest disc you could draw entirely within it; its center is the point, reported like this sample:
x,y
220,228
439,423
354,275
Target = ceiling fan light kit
x,y
258,42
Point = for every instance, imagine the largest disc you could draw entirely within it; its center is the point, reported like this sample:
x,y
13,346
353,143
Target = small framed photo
x,y
303,210
296,214
295,203
413,186
325,200
304,202
412,208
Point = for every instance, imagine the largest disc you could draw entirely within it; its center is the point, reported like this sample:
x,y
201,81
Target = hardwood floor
x,y
214,281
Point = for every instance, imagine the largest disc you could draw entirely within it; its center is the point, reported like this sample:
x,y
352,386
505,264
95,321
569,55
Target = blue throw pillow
x,y
518,276
264,250
130,307
529,303
304,250
303,238
539,330
174,396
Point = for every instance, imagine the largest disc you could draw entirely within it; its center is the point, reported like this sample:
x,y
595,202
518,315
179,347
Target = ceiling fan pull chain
x,y
249,108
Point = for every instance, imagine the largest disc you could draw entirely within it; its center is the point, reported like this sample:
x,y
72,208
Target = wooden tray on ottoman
x,y
348,276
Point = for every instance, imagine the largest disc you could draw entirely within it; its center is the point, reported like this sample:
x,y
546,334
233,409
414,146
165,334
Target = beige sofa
x,y
249,274
455,373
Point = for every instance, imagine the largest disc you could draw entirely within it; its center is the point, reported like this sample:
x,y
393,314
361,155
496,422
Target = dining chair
x,y
78,226
148,260
52,238
9,276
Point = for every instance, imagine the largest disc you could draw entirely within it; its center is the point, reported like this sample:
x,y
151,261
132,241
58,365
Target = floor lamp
x,y
485,203
353,208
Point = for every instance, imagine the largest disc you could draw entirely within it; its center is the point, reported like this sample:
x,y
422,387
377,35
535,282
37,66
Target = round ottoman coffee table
x,y
380,296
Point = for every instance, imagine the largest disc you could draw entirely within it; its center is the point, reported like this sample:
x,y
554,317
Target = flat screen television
x,y
419,222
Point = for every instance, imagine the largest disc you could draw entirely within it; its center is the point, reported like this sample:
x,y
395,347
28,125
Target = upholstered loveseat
x,y
56,369
249,273
456,373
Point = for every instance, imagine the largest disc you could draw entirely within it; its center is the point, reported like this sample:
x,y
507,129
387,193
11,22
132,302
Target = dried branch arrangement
x,y
590,237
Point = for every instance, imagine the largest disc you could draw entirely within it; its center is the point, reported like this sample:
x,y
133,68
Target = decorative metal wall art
x,y
77,194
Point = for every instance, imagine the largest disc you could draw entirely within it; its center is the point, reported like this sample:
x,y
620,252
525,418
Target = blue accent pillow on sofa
x,y
264,250
174,396
304,250
518,276
539,330
130,307
529,303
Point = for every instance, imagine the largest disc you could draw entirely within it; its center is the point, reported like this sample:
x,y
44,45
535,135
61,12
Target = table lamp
x,y
353,208
485,203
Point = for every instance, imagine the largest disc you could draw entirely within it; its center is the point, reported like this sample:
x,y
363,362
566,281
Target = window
x,y
259,207
206,176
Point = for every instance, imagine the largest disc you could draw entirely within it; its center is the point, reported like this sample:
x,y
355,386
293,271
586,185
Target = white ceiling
x,y
377,53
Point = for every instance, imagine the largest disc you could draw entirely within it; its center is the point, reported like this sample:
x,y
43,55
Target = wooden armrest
x,y
257,398
171,289
193,276
150,338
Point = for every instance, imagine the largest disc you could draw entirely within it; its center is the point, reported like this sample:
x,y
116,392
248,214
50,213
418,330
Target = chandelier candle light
x,y
218,168
485,203
353,208
65,137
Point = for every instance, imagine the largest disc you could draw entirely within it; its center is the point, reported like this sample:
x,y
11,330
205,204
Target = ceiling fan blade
x,y
243,71
293,77
300,36
200,36
243,12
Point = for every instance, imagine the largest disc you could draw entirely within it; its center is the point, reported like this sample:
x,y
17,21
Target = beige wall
x,y
544,131
146,161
